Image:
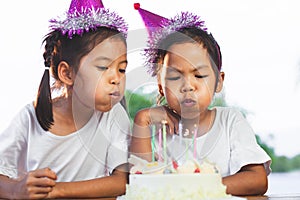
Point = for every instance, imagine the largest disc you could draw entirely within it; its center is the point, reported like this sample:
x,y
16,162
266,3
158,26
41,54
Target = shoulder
x,y
118,111
116,114
118,108
23,121
26,114
229,113
229,117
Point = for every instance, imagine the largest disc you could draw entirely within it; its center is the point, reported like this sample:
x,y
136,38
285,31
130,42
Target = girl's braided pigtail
x,y
43,106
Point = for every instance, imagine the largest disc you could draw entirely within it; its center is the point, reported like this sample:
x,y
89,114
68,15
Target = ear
x,y
220,82
160,88
65,73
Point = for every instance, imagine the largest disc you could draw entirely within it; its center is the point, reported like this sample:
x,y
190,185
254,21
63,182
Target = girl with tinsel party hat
x,y
72,141
187,61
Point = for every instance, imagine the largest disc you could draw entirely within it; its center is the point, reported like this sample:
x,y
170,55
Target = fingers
x,y
159,114
35,192
172,119
36,184
42,177
154,117
45,172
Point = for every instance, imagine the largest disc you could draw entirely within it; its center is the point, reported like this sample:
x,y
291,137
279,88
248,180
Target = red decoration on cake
x,y
197,170
175,164
138,172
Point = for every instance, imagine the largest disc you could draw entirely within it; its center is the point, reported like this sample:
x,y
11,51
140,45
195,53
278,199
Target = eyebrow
x,y
200,67
124,61
103,58
110,60
170,68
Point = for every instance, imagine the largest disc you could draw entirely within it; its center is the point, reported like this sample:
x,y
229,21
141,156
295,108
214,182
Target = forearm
x,y
7,186
141,136
110,186
247,182
141,147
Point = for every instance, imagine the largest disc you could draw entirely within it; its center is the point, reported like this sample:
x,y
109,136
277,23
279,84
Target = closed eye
x,y
123,71
201,76
102,68
173,78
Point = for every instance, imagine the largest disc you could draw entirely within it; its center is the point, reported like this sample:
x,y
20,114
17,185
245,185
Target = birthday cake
x,y
192,180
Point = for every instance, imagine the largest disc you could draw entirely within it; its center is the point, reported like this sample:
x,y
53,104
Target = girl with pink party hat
x,y
72,141
187,61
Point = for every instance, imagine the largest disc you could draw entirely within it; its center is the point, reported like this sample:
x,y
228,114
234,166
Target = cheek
x,y
87,86
172,98
172,87
205,100
123,84
205,94
97,85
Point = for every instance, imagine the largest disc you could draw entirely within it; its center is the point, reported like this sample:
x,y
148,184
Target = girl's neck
x,y
69,116
202,124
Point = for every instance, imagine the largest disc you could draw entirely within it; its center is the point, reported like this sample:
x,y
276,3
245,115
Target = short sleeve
x,y
244,147
119,136
13,146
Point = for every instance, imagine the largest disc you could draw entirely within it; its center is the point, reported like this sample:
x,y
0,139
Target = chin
x,y
104,108
190,115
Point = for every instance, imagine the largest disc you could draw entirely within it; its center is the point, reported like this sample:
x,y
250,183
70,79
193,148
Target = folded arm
x,y
33,185
104,187
250,180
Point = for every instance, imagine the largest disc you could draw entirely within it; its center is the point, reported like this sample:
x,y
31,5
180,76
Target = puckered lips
x,y
115,94
188,102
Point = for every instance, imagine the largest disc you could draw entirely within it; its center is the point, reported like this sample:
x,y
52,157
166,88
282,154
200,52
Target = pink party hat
x,y
160,27
86,15
152,21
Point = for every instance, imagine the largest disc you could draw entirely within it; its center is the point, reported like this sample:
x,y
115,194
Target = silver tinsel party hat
x,y
86,15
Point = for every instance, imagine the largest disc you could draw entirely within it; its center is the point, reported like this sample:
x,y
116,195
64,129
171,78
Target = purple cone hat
x,y
159,28
152,21
86,15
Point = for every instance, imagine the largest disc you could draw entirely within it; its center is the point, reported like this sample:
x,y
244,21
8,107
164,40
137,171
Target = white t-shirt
x,y
230,144
91,152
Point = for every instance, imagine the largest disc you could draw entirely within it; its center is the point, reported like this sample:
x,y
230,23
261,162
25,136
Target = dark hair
x,y
192,35
59,47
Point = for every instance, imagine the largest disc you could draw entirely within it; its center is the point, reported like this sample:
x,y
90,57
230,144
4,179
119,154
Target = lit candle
x,y
159,144
180,133
195,141
153,142
164,122
186,133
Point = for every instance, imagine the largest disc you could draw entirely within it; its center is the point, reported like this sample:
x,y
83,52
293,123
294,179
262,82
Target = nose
x,y
187,86
115,81
115,78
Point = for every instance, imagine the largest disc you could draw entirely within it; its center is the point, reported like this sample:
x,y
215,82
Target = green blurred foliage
x,y
139,100
280,163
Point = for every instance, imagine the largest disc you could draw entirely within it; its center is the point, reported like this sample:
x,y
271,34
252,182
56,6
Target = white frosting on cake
x,y
175,187
191,181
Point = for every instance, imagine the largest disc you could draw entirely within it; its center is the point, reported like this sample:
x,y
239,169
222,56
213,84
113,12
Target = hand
x,y
35,184
141,136
154,116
